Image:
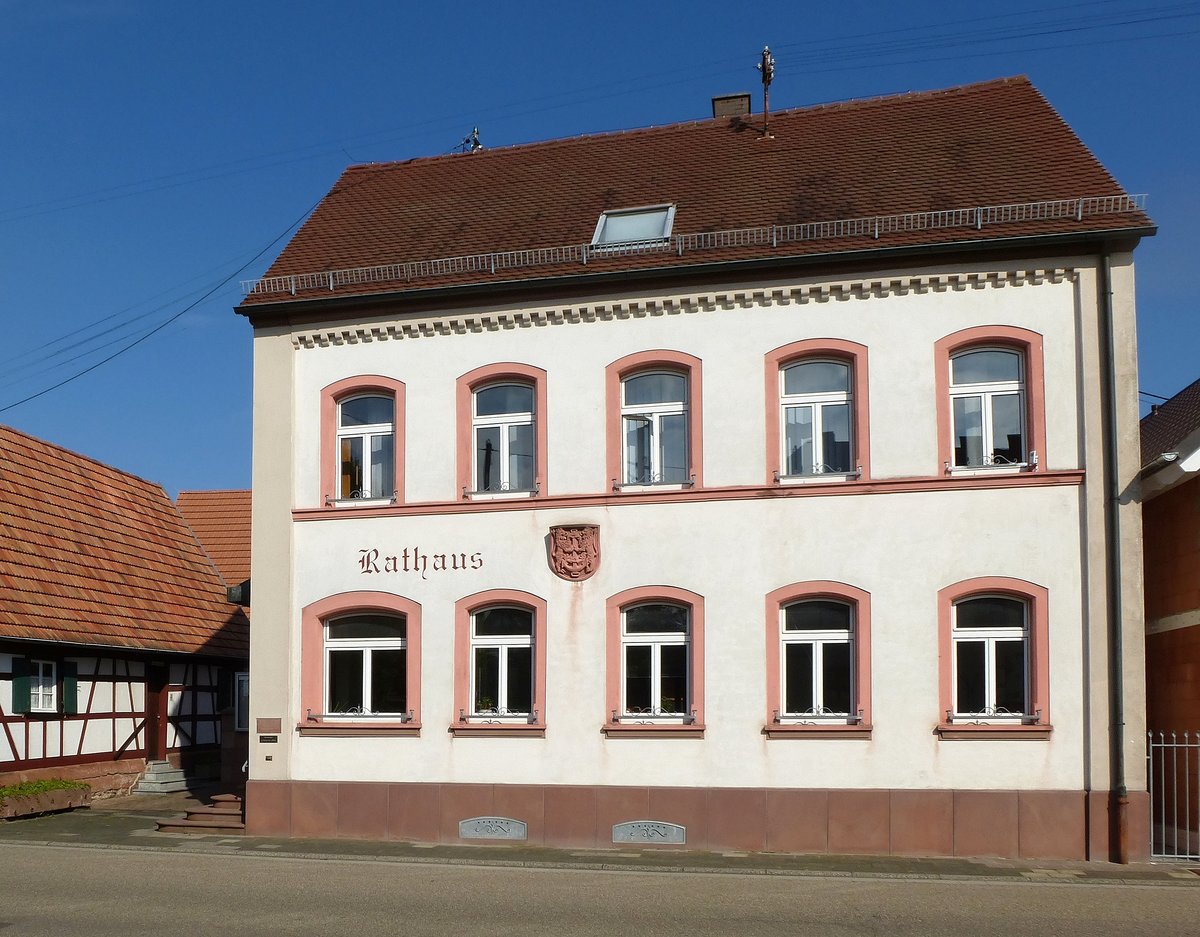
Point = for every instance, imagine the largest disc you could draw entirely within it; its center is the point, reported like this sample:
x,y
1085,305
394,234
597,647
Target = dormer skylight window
x,y
651,224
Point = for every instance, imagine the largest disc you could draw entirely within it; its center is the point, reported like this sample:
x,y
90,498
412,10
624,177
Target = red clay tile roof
x,y
1166,426
92,555
221,522
995,143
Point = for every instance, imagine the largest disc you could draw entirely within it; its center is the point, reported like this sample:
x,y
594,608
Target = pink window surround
x,y
312,662
612,673
1029,344
463,610
334,394
507,372
819,589
837,349
658,360
1038,599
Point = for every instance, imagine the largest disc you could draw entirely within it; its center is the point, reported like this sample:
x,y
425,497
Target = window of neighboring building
x,y
362,431
817,427
816,418
241,702
366,665
991,400
654,428
634,226
990,634
360,665
501,413
655,676
43,683
994,656
504,439
818,659
987,401
502,663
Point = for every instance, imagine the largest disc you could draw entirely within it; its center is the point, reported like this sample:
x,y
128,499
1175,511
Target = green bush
x,y
40,787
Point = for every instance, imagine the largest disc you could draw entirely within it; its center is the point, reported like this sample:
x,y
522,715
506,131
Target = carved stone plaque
x,y
649,831
491,828
574,551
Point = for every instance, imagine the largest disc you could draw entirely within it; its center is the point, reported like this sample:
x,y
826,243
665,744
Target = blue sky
x,y
153,150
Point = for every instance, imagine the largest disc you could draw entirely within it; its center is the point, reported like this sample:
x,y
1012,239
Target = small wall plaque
x,y
649,831
491,828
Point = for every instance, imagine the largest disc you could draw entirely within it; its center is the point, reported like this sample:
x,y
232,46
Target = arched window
x,y
501,413
366,447
655,662
994,658
654,428
366,665
818,660
502,671
362,440
991,407
987,401
503,437
816,418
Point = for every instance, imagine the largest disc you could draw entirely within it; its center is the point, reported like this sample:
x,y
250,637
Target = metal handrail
x,y
872,226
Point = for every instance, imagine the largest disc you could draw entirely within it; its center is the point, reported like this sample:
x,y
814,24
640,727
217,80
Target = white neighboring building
x,y
686,484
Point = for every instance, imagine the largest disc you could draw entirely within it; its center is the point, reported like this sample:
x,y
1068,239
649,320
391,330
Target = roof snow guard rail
x,y
873,226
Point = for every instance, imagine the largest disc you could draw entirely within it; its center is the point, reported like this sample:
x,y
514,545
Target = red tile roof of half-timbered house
x,y
983,164
221,522
90,555
1170,423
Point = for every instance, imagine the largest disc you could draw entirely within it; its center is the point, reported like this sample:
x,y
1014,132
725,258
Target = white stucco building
x,y
688,484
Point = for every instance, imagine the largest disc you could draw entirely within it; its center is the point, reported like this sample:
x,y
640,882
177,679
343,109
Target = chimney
x,y
731,105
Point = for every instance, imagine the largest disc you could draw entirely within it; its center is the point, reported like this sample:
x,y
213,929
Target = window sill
x,y
822,478
997,731
778,730
514,495
344,503
653,730
973,471
510,730
359,729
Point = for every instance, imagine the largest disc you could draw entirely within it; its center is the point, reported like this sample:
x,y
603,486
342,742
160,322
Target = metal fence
x,y
1174,763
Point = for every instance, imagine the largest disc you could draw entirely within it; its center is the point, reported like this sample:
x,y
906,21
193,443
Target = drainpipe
x,y
1119,793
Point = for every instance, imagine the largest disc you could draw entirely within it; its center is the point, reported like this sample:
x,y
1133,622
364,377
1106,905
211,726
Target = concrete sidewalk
x,y
129,823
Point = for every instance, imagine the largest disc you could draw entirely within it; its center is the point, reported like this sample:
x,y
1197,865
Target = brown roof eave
x,y
304,311
91,646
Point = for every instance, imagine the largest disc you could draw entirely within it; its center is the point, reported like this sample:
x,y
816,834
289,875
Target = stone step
x,y
224,825
221,810
146,786
227,799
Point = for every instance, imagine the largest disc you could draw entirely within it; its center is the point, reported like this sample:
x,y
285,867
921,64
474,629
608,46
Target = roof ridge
x,y
846,104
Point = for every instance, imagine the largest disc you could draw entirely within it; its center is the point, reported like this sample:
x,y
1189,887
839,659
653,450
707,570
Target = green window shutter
x,y
70,687
20,686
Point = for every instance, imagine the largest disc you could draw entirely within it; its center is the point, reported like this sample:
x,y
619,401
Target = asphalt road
x,y
72,892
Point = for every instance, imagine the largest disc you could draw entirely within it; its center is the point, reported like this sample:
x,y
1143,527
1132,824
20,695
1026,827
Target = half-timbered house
x,y
115,628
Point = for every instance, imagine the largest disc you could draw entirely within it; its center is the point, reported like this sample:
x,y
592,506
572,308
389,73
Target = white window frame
x,y
989,637
668,217
503,421
986,392
653,414
43,686
364,433
502,643
817,402
656,641
819,639
367,646
241,701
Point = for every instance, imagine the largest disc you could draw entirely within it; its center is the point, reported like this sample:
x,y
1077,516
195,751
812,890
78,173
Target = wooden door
x,y
156,712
